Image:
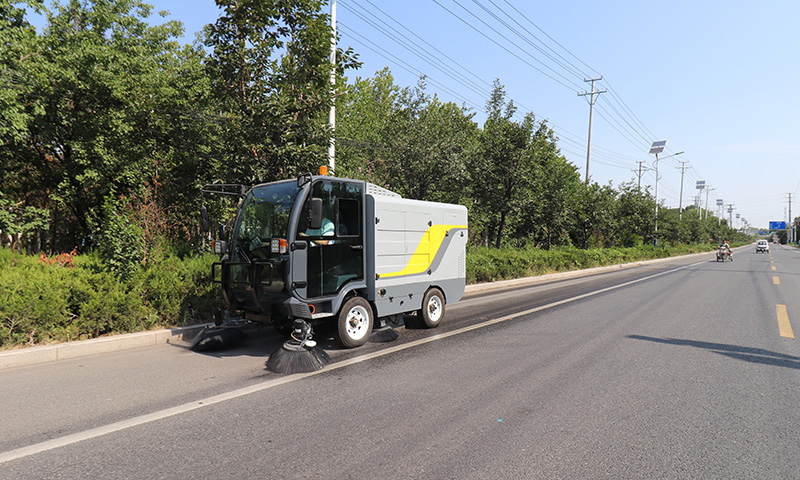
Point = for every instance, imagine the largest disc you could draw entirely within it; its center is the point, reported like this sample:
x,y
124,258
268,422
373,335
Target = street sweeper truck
x,y
325,249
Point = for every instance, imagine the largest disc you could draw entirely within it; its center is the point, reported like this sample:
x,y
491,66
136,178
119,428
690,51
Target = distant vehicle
x,y
762,246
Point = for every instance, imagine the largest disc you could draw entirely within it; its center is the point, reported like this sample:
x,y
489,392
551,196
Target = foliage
x,y
364,113
19,221
45,303
504,166
485,264
271,73
119,242
429,143
93,97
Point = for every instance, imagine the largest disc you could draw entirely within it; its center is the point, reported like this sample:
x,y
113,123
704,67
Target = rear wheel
x,y
355,322
432,311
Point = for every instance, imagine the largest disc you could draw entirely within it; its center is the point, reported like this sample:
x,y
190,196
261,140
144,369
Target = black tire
x,y
433,308
355,321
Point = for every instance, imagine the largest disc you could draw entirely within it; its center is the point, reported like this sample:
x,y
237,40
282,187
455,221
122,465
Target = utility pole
x,y
332,112
683,168
791,221
592,99
639,174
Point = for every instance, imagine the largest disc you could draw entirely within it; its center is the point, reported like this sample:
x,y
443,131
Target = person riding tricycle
x,y
724,252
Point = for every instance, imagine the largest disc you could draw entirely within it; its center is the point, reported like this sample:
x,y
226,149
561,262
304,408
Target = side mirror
x,y
204,219
315,214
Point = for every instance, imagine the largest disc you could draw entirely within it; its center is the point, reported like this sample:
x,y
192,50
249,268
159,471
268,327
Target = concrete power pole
x,y
332,113
639,173
791,222
592,99
683,168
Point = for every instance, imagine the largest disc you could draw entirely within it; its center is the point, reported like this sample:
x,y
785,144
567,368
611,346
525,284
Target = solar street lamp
x,y
656,148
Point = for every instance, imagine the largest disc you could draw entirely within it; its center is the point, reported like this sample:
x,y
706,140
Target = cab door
x,y
335,252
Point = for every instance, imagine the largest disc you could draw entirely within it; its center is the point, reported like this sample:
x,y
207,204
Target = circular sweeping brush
x,y
300,354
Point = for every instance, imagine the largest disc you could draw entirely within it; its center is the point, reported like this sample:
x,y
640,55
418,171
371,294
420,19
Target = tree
x,y
364,113
636,211
503,165
596,217
271,71
96,82
430,143
549,208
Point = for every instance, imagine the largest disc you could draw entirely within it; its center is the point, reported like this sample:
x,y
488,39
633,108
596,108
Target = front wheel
x,y
432,311
355,322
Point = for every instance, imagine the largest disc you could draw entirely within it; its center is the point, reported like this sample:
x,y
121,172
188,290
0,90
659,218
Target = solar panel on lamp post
x,y
656,148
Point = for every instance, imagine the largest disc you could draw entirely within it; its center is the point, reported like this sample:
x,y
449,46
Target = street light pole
x,y
656,148
708,189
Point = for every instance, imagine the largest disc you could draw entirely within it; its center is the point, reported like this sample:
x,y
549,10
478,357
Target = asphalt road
x,y
683,369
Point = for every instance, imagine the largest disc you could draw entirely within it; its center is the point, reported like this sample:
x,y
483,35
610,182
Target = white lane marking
x,y
52,444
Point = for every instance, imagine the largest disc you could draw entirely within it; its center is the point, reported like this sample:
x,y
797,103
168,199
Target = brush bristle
x,y
218,339
384,335
293,359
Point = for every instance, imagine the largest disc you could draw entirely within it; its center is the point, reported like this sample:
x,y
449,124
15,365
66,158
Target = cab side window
x,y
348,224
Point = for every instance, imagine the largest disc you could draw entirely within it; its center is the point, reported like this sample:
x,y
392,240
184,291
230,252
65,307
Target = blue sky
x,y
716,79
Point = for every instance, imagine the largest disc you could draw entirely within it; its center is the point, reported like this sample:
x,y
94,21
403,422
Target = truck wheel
x,y
355,322
432,311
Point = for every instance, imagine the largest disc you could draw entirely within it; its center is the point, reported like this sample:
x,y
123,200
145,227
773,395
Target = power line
x,y
615,113
501,46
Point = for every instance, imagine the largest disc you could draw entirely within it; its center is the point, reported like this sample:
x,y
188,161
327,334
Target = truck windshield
x,y
264,215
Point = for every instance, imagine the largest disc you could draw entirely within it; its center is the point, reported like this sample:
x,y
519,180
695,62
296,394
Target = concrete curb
x,y
63,351
182,335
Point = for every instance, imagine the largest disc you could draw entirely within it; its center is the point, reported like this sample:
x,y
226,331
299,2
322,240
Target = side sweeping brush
x,y
218,338
385,333
300,354
226,333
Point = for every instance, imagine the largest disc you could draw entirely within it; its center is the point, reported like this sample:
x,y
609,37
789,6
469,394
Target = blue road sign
x,y
777,225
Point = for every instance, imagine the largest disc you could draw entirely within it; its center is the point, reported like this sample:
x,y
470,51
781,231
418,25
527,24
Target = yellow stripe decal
x,y
426,251
783,322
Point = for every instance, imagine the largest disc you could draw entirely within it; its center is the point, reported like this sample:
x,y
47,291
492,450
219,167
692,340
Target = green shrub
x,y
485,264
45,303
120,239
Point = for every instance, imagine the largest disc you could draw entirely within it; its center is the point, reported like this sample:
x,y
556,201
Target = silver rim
x,y
357,322
435,309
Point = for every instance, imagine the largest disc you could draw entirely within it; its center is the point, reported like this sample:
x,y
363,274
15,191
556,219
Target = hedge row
x,y
43,303
490,264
